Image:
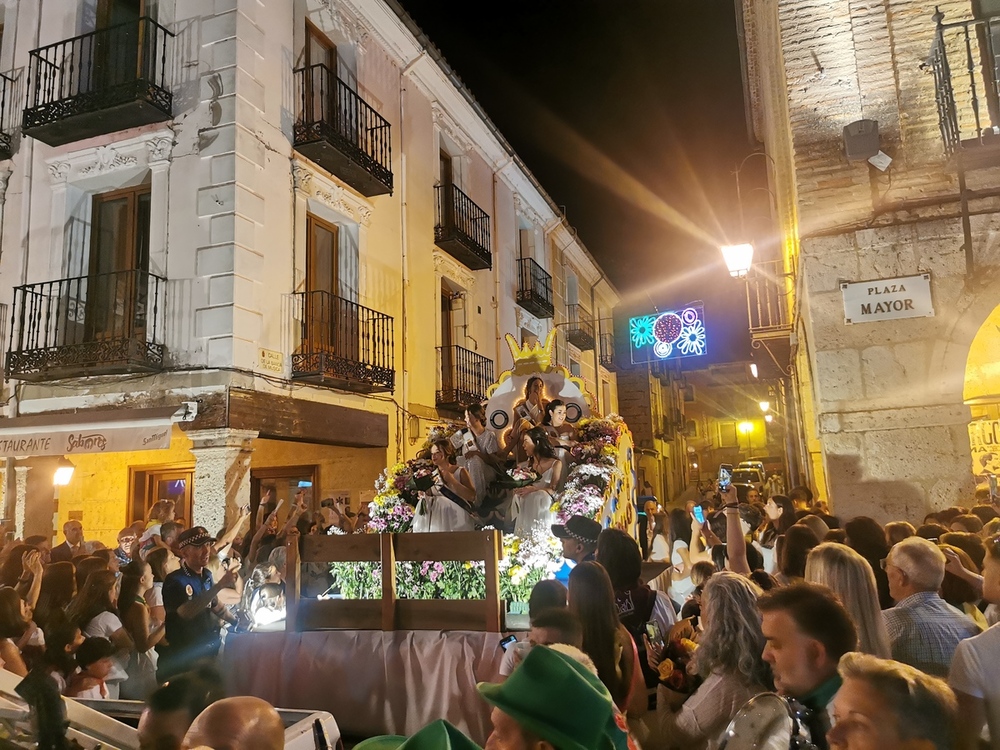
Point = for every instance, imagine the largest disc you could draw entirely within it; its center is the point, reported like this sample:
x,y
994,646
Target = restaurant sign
x,y
984,440
94,438
887,299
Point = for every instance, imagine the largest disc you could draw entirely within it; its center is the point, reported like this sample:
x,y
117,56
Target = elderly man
x,y
193,612
923,628
73,546
243,723
551,702
885,705
807,630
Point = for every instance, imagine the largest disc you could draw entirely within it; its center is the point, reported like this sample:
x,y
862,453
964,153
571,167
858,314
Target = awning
x,y
98,431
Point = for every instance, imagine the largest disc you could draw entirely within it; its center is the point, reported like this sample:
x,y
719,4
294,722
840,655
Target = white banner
x,y
887,299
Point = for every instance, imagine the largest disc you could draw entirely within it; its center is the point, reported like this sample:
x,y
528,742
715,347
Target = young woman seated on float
x,y
532,503
439,510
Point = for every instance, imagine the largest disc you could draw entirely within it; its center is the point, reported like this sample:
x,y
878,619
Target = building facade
x,y
887,393
251,246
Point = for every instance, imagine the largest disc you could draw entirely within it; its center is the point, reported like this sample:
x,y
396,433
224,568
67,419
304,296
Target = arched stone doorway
x,y
981,393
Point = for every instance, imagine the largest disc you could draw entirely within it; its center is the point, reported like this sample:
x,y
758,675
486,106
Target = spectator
x,y
73,546
795,547
963,588
94,612
137,578
123,552
967,522
14,625
637,603
579,542
551,700
887,705
932,531
807,630
801,497
546,594
659,549
866,537
172,708
94,657
728,659
973,674
44,546
437,734
85,566
972,544
62,639
984,513
57,591
923,629
109,558
780,518
161,513
243,723
162,562
605,640
814,522
681,533
897,531
192,609
554,625
850,577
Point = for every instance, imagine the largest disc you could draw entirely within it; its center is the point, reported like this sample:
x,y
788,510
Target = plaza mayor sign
x,y
887,299
984,440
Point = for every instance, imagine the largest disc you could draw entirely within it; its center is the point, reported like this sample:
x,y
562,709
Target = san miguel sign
x,y
887,299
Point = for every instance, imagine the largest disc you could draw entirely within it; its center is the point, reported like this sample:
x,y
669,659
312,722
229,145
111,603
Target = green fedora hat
x,y
557,699
438,735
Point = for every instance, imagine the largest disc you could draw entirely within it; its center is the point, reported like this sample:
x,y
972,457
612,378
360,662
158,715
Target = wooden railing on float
x,y
390,612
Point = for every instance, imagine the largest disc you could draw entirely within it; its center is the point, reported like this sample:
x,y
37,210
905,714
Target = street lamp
x,y
745,428
738,259
64,473
765,406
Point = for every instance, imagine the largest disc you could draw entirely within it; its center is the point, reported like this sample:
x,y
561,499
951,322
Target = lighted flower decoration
x,y
692,339
641,330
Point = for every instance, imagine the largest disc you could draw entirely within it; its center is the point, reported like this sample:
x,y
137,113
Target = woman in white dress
x,y
532,503
94,612
137,578
478,447
438,512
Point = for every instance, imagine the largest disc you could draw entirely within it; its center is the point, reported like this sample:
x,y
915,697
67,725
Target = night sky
x,y
631,116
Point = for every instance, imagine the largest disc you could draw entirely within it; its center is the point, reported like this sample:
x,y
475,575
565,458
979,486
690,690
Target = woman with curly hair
x,y
729,661
533,503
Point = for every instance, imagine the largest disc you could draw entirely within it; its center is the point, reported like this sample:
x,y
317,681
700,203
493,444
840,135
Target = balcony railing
x,y
579,327
344,344
99,83
465,377
341,132
534,288
463,228
767,300
607,351
89,325
6,105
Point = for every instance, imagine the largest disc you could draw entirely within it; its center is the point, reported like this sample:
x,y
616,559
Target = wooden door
x,y
117,53
321,284
321,76
447,341
117,285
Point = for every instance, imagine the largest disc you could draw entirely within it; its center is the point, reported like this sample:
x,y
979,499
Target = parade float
x,y
600,484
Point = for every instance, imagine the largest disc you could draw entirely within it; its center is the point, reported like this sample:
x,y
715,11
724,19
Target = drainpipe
x,y
496,269
597,344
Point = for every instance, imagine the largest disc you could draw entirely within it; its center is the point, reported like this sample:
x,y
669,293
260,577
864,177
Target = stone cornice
x,y
312,183
139,152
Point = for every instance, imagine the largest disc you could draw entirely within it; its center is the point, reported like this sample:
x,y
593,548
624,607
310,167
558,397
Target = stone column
x,y
221,475
20,499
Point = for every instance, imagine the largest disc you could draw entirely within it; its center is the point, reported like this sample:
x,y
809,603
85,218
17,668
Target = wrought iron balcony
x,y
6,104
89,325
607,351
344,345
534,288
580,328
465,377
463,228
99,83
767,311
341,132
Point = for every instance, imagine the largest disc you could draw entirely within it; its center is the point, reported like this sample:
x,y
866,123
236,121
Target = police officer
x,y
193,612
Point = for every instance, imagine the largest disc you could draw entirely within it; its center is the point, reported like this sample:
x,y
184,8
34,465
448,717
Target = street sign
x,y
887,299
984,439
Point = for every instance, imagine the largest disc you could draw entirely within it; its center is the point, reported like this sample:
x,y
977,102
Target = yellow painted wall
x,y
354,469
99,487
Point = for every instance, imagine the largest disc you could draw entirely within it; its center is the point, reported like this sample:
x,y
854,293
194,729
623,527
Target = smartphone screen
x,y
505,643
653,633
698,514
725,476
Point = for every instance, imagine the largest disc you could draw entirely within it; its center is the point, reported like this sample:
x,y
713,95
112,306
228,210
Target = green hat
x,y
439,735
556,698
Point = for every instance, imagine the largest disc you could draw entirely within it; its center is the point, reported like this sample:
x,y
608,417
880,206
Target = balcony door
x,y
447,341
332,323
118,43
116,287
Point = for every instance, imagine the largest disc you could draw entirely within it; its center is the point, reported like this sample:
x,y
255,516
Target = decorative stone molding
x,y
335,200
159,149
365,216
221,475
107,159
4,181
313,184
59,171
447,266
301,178
449,126
524,319
522,207
20,499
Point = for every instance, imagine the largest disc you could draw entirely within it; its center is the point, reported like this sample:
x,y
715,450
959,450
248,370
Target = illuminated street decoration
x,y
670,335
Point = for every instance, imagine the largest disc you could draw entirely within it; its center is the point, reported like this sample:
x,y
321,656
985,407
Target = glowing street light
x,y
753,369
745,428
765,406
64,473
738,259
768,418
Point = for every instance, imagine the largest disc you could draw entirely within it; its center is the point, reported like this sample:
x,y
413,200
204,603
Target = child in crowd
x,y
94,660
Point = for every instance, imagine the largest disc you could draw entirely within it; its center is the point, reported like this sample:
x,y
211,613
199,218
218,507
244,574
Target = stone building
x,y
255,245
886,391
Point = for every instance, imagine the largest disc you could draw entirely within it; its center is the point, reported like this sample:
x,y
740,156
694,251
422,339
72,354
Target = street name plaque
x,y
887,299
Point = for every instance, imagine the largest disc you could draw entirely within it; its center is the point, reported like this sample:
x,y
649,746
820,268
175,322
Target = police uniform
x,y
191,640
